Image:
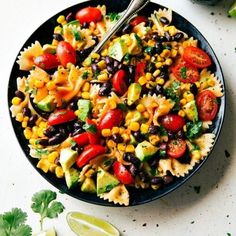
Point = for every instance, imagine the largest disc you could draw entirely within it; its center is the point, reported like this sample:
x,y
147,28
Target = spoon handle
x,y
134,7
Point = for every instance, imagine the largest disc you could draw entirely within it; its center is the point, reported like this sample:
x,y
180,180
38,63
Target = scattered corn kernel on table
x,y
205,205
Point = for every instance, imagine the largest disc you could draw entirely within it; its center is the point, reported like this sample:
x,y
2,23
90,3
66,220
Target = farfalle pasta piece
x,y
118,194
25,59
141,30
206,124
205,143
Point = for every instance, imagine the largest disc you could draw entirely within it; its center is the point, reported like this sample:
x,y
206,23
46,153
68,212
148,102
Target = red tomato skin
x,y
61,116
122,174
81,139
119,82
196,57
90,152
88,14
139,70
46,61
66,53
94,138
207,105
172,122
111,119
137,20
176,148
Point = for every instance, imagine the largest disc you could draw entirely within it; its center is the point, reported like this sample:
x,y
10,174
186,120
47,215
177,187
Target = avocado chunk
x,y
190,110
105,181
84,107
118,50
88,186
71,177
47,104
145,150
67,158
134,92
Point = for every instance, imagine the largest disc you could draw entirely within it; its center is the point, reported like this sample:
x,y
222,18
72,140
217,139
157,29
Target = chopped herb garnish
x,y
74,22
194,130
172,92
76,34
96,74
167,46
109,187
90,128
163,131
108,162
197,189
183,72
139,40
127,57
40,152
148,50
114,16
85,75
122,106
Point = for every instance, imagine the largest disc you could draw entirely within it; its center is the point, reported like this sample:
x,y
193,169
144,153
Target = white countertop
x,y
183,212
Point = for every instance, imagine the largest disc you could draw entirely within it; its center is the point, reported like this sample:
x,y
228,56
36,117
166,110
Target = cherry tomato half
x,y
207,105
90,152
139,70
172,122
66,53
81,139
185,73
61,116
94,137
119,82
196,57
110,119
176,148
88,14
122,174
137,20
46,61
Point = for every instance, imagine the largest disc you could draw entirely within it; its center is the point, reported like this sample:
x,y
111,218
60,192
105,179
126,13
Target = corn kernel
x,y
197,84
130,148
103,77
146,115
95,56
60,19
174,52
154,139
104,52
28,133
19,117
156,73
181,113
16,101
59,172
69,65
211,82
165,53
86,87
126,137
140,108
115,130
160,59
121,130
189,97
172,30
53,156
142,80
106,132
111,144
40,132
51,85
89,173
151,43
144,128
43,164
24,124
112,104
183,101
39,83
160,81
184,128
32,141
196,155
85,95
57,30
185,95
26,119
148,76
134,126
121,146
168,61
158,65
43,124
52,168
101,64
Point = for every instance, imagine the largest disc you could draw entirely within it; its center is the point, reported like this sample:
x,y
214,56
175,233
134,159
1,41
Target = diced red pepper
x,y
139,70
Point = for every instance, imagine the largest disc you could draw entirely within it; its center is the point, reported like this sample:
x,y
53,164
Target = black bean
x,y
150,23
138,136
158,48
158,38
171,135
50,131
69,17
85,25
56,139
151,92
109,60
159,89
151,67
121,66
168,36
193,89
95,38
63,131
26,111
180,134
116,64
117,138
153,129
164,69
110,69
20,94
131,158
32,120
153,162
78,124
143,176
77,131
126,29
94,68
156,180
164,75
168,179
58,37
77,148
105,89
133,170
73,104
131,107
164,20
131,73
43,142
178,36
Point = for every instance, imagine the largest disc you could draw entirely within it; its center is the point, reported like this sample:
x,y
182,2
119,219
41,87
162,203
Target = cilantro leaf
x,y
85,75
114,16
139,40
90,128
183,72
194,130
13,223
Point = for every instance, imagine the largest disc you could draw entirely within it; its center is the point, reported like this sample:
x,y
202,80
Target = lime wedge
x,y
86,225
49,232
232,10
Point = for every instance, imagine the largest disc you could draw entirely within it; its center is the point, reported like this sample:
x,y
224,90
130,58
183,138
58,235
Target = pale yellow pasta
x,y
205,143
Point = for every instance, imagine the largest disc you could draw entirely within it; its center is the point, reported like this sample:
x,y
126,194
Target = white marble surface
x,y
183,212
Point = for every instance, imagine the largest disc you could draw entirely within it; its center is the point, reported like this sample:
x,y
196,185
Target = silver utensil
x,y
134,7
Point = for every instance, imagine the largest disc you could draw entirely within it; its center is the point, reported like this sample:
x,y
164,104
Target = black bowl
x,y
44,34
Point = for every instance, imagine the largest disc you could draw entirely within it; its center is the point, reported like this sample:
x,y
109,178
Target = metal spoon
x,y
134,7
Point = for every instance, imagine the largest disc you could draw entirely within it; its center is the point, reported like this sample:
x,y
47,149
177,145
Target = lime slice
x,y
49,232
232,10
86,225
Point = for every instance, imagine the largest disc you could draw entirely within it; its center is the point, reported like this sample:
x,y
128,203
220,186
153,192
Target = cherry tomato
x,y
119,82
66,53
207,105
137,20
173,122
46,61
93,136
90,152
81,139
196,57
61,116
110,119
122,174
176,148
88,14
139,70
186,73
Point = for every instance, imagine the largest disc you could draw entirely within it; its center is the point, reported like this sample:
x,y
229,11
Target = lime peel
x,y
232,10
